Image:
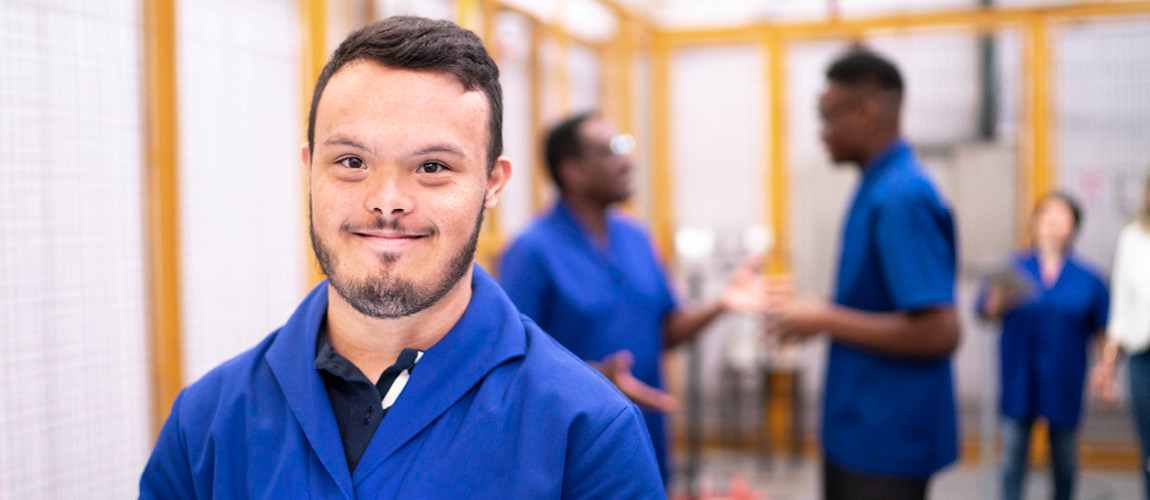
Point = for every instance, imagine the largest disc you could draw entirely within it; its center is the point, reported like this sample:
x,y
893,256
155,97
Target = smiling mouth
x,y
389,237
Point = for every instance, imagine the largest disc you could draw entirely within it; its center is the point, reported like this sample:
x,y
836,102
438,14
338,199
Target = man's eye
x,y
352,162
431,167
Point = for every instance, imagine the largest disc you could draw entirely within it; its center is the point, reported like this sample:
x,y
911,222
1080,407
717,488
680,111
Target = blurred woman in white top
x,y
1129,326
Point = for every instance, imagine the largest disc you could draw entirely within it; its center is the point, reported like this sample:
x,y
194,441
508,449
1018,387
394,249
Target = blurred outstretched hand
x,y
790,318
617,368
747,290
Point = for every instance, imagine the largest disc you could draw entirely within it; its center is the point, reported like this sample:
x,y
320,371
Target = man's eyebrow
x,y
440,147
340,140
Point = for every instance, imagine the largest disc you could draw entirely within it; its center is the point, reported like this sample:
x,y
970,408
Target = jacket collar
x,y
887,158
488,334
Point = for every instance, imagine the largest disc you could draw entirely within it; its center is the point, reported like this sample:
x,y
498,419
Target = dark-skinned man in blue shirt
x,y
888,415
590,276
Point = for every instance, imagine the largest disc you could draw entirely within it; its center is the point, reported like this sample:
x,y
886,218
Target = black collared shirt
x,y
358,404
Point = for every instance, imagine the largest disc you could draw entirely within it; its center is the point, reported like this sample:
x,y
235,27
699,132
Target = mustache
x,y
380,224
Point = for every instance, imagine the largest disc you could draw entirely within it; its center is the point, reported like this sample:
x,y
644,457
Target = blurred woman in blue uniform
x,y
1052,304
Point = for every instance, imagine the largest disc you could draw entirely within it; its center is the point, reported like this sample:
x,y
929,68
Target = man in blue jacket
x,y
407,373
888,414
590,277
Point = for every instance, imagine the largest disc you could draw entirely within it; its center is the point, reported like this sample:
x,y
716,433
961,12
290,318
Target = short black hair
x,y
563,142
860,66
1069,201
426,45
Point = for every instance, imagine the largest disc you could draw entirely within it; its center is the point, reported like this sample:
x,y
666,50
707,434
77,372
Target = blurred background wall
x,y
153,206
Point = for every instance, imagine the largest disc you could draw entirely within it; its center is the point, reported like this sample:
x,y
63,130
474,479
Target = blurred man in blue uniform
x,y
889,414
589,276
407,373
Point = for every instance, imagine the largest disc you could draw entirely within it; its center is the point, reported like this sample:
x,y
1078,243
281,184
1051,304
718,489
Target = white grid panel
x,y
1102,97
241,196
513,36
73,371
585,75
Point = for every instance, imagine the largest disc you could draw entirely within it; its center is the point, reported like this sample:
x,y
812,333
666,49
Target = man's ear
x,y
305,158
571,174
496,181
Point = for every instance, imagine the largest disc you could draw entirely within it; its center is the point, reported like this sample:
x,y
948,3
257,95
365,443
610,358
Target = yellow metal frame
x,y
161,163
778,173
313,57
662,180
1038,165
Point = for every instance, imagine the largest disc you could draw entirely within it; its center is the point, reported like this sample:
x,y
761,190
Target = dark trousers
x,y
843,484
1016,450
1140,401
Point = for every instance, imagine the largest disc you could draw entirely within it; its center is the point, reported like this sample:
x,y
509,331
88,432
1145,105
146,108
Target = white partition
x,y
718,131
585,78
513,36
718,136
1102,89
74,400
242,214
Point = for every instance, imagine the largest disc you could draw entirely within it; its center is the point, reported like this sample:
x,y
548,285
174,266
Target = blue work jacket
x,y
497,409
884,414
595,298
1045,341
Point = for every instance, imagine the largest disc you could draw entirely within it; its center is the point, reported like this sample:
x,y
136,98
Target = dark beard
x,y
384,296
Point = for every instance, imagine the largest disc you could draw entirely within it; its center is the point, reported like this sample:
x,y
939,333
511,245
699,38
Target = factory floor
x,y
736,475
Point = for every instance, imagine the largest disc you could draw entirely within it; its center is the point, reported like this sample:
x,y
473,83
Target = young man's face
x,y
399,182
843,123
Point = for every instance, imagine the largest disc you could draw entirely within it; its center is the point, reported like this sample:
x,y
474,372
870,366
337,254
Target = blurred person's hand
x,y
617,368
790,318
1102,384
747,290
996,302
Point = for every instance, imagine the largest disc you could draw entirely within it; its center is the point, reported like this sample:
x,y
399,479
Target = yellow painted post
x,y
479,17
662,182
539,182
562,70
620,55
492,238
1038,171
313,44
623,81
467,13
162,205
1038,161
778,177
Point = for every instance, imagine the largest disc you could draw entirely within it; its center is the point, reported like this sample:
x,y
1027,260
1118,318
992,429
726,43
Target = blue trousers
x,y
1140,403
1015,451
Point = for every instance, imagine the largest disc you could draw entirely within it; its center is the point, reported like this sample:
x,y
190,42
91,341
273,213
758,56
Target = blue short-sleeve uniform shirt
x,y
595,299
1045,341
883,414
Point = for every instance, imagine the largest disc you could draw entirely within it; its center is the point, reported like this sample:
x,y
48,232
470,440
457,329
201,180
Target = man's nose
x,y
389,193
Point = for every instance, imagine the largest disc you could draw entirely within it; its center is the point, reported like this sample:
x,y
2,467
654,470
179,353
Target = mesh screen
x,y
241,194
73,372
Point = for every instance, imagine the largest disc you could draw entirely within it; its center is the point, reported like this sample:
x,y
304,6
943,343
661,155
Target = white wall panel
x,y
1101,82
73,363
513,33
241,194
718,146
